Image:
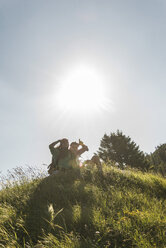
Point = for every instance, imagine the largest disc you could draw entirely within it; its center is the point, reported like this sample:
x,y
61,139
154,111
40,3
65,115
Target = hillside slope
x,y
85,208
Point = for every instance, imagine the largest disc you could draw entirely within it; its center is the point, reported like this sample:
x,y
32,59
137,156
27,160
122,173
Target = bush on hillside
x,y
157,159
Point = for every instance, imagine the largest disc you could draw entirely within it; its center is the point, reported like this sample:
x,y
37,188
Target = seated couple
x,y
65,157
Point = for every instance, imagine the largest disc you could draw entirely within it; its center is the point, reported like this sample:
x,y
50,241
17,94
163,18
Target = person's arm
x,y
82,150
51,146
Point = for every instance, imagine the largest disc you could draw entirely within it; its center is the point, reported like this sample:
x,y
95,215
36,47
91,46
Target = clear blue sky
x,y
124,40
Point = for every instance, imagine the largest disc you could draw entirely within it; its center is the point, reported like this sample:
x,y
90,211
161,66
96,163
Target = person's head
x,y
74,146
64,143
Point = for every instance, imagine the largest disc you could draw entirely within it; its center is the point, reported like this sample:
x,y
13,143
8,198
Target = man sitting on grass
x,y
58,154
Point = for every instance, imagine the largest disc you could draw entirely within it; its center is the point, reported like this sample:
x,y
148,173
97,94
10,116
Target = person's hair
x,y
63,140
74,143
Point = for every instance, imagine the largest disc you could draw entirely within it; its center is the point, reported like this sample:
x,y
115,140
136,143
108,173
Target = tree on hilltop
x,y
121,149
158,159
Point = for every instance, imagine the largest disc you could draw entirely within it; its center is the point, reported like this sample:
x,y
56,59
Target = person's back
x,y
64,161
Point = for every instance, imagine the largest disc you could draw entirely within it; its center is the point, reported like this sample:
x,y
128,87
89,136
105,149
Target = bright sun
x,y
82,91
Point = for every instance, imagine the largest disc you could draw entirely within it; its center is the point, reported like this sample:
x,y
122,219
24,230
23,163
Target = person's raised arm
x,y
51,146
82,150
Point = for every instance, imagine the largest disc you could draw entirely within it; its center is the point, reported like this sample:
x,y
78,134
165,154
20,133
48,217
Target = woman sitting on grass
x,y
75,153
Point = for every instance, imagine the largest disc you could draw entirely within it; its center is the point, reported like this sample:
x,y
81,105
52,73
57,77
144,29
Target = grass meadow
x,y
83,208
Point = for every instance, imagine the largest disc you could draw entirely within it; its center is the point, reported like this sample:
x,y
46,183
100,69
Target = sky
x,y
42,45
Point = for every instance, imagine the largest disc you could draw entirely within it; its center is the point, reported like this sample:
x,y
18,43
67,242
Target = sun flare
x,y
82,91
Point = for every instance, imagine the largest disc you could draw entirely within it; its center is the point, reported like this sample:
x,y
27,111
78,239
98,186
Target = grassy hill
x,y
86,208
